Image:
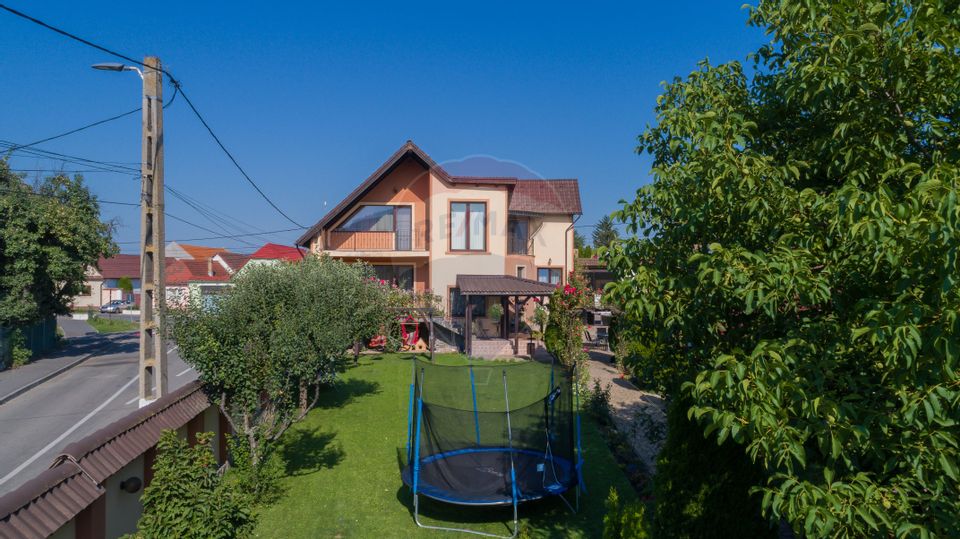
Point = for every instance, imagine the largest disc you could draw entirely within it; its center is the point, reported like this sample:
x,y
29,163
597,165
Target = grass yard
x,y
111,325
343,473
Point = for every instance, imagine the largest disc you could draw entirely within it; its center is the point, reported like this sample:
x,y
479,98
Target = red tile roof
x,y
274,251
119,266
234,261
199,252
546,197
191,271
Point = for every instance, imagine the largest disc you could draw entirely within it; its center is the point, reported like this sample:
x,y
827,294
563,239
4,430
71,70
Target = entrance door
x,y
404,228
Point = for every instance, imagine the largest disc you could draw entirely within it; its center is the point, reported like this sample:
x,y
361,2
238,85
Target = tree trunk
x,y
251,441
304,403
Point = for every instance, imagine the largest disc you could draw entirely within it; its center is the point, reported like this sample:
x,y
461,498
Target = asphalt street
x,y
36,425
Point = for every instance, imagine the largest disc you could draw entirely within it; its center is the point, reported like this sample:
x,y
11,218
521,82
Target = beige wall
x,y
123,508
445,265
92,299
549,247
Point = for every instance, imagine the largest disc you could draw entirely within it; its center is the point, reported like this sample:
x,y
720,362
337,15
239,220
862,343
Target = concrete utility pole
x,y
153,352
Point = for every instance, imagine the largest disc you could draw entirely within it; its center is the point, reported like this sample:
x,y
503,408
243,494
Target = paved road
x,y
36,425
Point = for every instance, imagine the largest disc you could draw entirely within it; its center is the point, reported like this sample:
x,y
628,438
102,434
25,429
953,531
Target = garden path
x,y
639,415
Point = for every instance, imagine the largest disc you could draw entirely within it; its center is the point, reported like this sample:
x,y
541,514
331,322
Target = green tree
x,y
188,498
126,285
604,233
270,344
795,260
49,234
580,244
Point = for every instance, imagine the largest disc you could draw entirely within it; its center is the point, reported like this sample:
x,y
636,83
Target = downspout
x,y
566,251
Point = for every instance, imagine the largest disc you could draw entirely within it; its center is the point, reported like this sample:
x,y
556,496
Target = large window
x,y
548,275
458,304
402,276
370,219
517,239
468,226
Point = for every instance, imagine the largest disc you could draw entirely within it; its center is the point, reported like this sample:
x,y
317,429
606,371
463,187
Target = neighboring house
x,y
231,262
102,282
182,251
190,279
422,228
273,253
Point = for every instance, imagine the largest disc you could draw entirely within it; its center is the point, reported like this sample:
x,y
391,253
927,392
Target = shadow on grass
x,y
344,392
309,451
548,517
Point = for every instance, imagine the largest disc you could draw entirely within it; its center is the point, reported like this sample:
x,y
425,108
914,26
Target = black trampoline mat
x,y
481,475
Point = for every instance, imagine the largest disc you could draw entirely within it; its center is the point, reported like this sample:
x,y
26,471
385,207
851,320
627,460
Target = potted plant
x,y
495,312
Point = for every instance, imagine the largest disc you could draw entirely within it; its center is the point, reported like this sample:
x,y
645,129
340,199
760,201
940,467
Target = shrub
x,y
703,489
624,521
19,353
598,403
188,498
495,312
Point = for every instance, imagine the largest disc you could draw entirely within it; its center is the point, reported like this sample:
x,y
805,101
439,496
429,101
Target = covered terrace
x,y
514,293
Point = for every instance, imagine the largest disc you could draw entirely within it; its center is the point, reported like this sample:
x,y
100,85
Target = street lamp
x,y
116,66
153,353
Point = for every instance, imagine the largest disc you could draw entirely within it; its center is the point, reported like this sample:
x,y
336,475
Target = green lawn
x,y
343,472
111,325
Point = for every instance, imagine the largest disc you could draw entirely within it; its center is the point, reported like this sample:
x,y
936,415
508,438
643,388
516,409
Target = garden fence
x,y
38,338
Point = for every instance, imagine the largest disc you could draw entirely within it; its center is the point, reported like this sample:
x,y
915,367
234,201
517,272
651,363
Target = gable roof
x,y
231,261
199,252
118,266
537,196
408,149
185,271
546,197
275,251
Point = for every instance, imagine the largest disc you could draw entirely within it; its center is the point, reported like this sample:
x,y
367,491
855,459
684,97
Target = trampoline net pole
x,y
413,382
416,446
513,472
476,415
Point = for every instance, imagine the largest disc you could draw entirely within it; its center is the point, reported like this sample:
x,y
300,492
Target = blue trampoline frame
x,y
413,456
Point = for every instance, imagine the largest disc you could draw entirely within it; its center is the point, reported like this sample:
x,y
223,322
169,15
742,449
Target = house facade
x,y
421,227
102,282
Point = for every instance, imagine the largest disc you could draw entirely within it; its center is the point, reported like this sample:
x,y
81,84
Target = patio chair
x,y
479,330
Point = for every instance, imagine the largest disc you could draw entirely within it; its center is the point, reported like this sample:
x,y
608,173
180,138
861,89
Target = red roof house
x,y
274,251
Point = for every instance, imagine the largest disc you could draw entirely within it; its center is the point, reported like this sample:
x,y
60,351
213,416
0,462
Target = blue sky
x,y
311,98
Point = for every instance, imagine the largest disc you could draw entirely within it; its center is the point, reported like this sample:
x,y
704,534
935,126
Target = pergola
x,y
504,287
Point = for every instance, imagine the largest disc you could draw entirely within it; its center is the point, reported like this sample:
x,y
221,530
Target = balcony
x,y
342,240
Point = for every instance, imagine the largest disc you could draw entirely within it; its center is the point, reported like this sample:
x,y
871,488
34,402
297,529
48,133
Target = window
x,y
458,304
468,226
548,275
517,239
521,272
402,276
370,219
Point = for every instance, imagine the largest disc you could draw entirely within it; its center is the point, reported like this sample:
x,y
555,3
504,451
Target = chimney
x,y
210,267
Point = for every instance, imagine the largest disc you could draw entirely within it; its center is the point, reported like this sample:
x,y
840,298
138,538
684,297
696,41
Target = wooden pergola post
x,y
468,326
516,325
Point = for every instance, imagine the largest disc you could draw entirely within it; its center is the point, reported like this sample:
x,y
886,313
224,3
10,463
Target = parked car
x,y
115,306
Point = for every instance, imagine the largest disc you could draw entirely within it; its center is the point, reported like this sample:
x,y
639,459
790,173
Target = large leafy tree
x,y
50,233
270,344
795,260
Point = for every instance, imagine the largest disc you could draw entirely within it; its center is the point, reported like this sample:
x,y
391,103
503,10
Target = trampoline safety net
x,y
465,448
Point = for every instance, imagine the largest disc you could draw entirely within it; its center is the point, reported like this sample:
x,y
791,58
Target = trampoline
x,y
491,434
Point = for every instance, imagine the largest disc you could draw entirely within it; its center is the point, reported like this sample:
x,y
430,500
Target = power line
x,y
229,236
106,166
94,124
48,195
201,227
177,85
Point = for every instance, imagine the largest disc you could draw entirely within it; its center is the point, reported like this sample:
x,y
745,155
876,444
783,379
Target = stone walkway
x,y
639,415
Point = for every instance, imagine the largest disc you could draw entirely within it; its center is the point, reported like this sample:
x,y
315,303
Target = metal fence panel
x,y
39,338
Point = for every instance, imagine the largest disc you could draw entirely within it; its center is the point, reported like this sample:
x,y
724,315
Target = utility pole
x,y
153,351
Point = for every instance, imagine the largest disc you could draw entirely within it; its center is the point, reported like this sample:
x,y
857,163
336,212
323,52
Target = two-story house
x,y
426,229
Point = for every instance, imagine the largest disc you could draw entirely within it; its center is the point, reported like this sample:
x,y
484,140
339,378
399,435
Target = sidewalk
x,y
74,351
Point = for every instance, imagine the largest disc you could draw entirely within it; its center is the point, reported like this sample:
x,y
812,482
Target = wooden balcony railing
x,y
372,241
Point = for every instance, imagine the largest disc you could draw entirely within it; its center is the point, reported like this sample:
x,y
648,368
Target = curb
x,y
23,389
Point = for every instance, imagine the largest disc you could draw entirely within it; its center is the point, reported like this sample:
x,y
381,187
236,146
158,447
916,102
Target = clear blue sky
x,y
312,98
